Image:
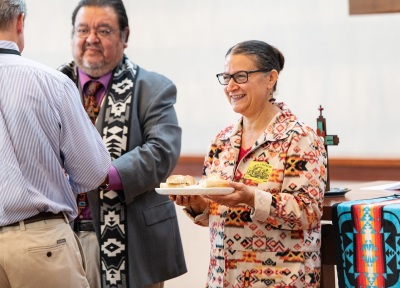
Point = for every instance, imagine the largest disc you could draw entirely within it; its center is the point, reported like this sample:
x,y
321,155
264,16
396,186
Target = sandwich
x,y
178,181
213,181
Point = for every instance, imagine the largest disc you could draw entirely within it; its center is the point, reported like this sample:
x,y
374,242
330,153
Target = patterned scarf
x,y
115,113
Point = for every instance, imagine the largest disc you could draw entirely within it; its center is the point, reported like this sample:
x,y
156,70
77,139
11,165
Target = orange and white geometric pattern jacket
x,y
276,243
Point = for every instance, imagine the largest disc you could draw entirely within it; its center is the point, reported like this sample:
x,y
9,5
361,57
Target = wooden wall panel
x,y
189,165
364,169
339,169
373,6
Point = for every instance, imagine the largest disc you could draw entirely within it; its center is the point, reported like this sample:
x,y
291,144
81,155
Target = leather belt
x,y
40,217
83,226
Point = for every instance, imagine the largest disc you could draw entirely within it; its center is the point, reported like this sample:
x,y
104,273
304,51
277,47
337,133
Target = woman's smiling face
x,y
249,97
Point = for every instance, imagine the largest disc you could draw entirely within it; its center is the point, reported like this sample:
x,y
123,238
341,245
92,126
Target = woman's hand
x,y
197,203
243,194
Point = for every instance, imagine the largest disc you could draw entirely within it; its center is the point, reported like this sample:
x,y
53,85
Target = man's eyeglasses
x,y
239,77
84,32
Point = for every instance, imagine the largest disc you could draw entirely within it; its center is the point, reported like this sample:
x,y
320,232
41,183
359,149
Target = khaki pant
x,y
91,250
43,254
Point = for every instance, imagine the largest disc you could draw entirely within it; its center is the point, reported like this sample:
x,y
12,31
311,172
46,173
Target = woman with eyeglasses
x,y
267,232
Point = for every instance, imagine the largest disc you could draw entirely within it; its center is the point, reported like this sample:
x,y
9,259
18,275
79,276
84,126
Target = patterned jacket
x,y
276,244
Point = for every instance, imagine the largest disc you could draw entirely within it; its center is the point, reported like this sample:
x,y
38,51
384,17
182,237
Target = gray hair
x,y
9,11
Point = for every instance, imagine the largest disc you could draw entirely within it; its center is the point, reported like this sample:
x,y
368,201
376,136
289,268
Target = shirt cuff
x,y
200,219
262,205
114,180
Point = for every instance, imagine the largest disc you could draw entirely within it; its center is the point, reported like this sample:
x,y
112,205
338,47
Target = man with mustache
x,y
140,244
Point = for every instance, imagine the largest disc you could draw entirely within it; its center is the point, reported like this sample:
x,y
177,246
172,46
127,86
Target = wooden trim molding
x,y
189,165
364,169
340,169
373,6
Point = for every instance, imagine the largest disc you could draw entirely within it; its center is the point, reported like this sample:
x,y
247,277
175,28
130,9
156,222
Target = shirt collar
x,y
8,45
84,78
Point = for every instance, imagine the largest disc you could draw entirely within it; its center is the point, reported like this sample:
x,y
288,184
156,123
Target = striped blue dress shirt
x,y
44,135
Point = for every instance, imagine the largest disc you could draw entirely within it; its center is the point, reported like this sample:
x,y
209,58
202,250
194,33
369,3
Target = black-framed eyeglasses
x,y
83,32
239,77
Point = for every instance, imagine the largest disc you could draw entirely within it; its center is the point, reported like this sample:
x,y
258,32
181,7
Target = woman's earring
x,y
272,99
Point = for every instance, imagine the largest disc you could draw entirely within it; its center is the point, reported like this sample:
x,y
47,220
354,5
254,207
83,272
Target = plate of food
x,y
186,185
195,191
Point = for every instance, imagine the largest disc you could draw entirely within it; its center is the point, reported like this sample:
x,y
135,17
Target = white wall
x,y
348,64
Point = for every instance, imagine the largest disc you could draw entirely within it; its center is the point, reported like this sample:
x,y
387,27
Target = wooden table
x,y
327,245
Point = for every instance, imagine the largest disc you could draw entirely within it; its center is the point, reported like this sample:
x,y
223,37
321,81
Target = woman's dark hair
x,y
118,6
265,56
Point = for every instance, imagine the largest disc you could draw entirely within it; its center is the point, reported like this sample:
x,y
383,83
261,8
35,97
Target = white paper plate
x,y
195,191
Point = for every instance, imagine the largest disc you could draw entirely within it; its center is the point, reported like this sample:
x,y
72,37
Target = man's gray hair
x,y
9,11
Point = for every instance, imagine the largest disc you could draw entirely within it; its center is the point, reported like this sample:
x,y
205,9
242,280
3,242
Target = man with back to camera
x,y
45,136
140,244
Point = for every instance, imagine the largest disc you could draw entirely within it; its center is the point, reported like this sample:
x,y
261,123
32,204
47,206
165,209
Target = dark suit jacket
x,y
155,248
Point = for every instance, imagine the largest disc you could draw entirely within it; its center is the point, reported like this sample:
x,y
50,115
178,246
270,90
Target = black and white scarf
x,y
115,133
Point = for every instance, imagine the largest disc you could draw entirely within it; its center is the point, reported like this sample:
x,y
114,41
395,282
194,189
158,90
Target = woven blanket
x,y
367,240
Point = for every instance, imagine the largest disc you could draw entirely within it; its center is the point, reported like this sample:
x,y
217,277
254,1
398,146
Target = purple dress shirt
x,y
114,180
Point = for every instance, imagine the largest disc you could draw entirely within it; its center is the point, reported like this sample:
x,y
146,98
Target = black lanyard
x,y
9,51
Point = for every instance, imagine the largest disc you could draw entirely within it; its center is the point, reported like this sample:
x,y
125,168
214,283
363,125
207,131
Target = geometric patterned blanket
x,y
367,242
